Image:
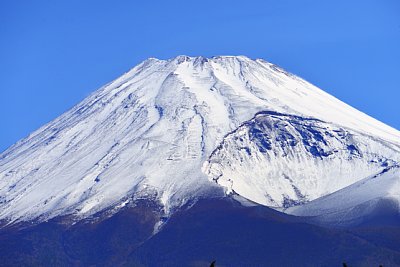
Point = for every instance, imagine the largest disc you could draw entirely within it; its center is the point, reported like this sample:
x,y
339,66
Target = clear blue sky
x,y
54,53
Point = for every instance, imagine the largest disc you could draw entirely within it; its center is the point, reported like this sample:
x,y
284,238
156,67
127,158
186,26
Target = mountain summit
x,y
189,128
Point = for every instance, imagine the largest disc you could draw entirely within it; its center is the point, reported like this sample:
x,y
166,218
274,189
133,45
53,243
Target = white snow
x,y
150,131
279,160
354,201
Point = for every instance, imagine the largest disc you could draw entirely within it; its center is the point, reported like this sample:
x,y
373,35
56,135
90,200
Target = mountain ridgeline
x,y
186,160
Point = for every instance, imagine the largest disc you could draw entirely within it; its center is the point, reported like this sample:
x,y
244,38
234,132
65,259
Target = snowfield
x,y
192,127
282,160
374,196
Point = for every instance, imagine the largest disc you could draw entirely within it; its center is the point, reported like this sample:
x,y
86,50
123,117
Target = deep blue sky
x,y
54,53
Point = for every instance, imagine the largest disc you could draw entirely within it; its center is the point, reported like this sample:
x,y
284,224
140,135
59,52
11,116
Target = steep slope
x,y
148,133
281,160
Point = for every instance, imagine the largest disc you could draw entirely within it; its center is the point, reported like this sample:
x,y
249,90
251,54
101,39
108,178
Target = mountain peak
x,y
155,133
201,59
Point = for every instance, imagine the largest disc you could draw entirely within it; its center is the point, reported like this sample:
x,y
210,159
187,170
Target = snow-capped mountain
x,y
192,127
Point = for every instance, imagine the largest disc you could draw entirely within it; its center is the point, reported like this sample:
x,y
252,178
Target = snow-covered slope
x,y
282,160
374,197
149,133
